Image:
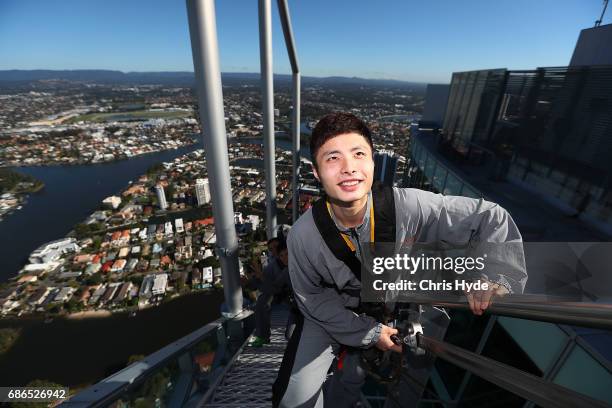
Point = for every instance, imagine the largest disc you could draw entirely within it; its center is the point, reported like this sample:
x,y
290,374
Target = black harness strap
x,y
331,235
384,216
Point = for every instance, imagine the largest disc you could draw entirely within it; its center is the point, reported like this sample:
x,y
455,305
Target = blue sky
x,y
422,41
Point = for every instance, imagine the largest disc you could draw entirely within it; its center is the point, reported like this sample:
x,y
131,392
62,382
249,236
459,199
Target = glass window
x,y
453,185
421,160
541,341
557,176
470,192
572,182
429,167
582,373
439,177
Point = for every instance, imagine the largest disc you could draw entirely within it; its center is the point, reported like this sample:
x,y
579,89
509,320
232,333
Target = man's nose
x,y
349,166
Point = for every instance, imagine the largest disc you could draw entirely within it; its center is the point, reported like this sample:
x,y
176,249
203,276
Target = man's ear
x,y
315,172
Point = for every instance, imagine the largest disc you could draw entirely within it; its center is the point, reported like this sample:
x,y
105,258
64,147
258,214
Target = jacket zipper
x,y
356,237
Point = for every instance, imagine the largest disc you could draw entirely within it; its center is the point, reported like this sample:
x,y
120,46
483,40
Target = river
x,y
71,194
75,352
79,352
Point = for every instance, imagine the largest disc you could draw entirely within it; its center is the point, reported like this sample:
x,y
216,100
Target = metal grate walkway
x,y
248,383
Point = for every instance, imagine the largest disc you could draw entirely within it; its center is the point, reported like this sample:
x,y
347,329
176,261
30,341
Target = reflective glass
x,y
582,373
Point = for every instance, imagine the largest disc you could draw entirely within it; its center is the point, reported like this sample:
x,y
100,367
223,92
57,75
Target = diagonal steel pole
x,y
204,47
267,98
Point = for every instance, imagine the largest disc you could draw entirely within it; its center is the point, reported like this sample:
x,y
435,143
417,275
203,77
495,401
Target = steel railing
x,y
528,386
126,383
595,315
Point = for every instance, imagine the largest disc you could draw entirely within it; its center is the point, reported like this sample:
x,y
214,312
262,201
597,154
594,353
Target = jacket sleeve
x,y
485,226
323,305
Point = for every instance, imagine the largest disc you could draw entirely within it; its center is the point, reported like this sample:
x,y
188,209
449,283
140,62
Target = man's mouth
x,y
349,183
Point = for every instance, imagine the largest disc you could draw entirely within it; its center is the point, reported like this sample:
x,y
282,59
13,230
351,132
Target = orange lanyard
x,y
347,239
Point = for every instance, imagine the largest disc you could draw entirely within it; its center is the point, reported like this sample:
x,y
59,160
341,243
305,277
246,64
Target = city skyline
x,y
331,40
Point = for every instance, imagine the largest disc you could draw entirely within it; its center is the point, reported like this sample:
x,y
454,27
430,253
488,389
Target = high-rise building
x,y
472,105
202,191
594,47
385,167
436,99
549,129
161,197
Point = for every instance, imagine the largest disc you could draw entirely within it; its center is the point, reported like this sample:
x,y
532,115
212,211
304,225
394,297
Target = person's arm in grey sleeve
x,y
324,305
460,220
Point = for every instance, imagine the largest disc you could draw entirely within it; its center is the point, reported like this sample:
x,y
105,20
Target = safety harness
x,y
382,227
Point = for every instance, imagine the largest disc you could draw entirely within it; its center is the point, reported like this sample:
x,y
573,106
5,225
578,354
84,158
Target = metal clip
x,y
411,341
225,252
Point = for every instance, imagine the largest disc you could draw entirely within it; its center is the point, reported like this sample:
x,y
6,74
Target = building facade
x,y
385,167
202,191
548,129
161,197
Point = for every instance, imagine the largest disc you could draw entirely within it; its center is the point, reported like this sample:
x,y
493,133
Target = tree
x,y
170,190
134,358
210,261
154,169
97,241
37,384
94,279
8,337
73,305
81,230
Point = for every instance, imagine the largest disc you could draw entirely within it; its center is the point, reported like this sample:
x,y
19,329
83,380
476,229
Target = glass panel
x,y
453,185
429,168
557,176
582,373
572,182
439,177
154,392
470,192
421,160
541,341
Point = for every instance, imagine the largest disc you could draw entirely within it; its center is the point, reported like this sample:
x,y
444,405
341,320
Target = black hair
x,y
282,245
275,239
334,124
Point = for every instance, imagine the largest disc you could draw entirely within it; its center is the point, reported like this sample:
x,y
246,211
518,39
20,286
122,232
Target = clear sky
x,y
414,40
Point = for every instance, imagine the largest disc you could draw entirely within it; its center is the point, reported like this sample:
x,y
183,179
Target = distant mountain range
x,y
181,78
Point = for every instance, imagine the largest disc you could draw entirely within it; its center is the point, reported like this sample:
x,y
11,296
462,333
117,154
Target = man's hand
x,y
480,300
385,343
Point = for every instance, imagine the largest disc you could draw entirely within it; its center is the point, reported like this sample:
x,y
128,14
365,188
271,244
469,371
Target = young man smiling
x,y
325,275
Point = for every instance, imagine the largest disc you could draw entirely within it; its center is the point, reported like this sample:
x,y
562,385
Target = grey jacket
x,y
321,282
275,277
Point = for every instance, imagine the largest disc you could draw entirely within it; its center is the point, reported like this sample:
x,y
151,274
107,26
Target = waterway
x,y
78,352
71,194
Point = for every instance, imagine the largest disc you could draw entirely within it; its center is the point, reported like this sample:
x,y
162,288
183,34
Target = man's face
x,y
284,257
345,167
272,247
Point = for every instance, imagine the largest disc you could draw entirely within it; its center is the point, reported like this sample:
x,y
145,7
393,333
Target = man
x,y
275,280
272,252
326,285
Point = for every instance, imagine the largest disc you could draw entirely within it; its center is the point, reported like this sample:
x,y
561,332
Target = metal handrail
x,y
528,386
207,71
595,315
267,102
111,388
285,18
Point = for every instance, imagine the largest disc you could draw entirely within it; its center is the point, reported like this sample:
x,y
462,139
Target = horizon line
x,y
226,72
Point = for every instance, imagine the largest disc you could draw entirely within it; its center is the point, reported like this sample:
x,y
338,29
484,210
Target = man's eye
x,y
361,154
330,158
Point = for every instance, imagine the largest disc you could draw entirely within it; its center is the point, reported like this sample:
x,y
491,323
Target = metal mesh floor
x,y
249,381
